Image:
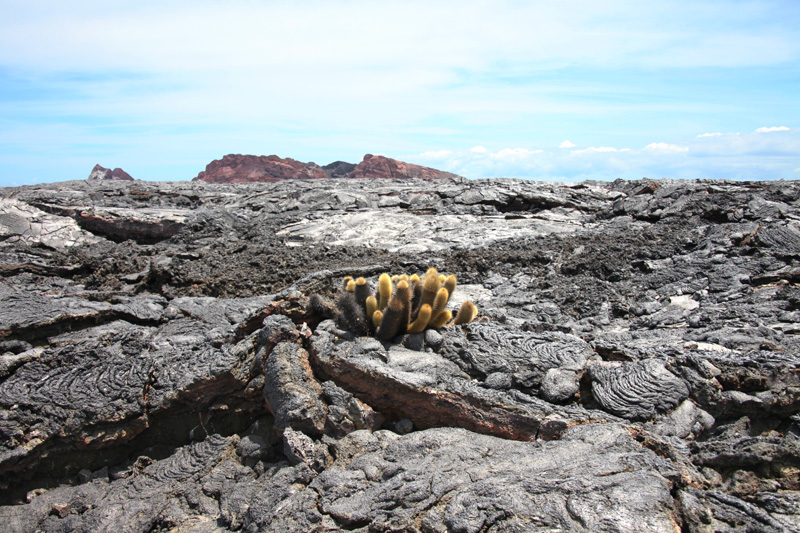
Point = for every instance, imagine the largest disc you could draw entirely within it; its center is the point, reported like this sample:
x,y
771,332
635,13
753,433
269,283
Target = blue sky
x,y
546,90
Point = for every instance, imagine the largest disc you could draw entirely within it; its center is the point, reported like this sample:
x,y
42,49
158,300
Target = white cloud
x,y
479,150
567,144
666,148
756,144
595,149
515,153
716,134
771,129
436,154
722,156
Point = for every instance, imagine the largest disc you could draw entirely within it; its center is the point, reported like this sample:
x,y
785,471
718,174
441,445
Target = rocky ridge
x,y
378,166
102,173
635,365
235,168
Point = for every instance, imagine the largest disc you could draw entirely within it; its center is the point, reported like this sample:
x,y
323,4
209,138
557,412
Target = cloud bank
x,y
718,155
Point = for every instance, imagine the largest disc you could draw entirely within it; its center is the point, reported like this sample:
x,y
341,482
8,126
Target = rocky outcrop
x,y
634,365
394,382
338,169
378,166
236,168
102,173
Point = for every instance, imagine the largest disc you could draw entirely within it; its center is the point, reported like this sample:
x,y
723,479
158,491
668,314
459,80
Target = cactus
x,y
430,286
351,314
403,294
384,290
422,320
372,305
412,305
439,303
466,313
450,284
377,318
392,321
362,292
440,321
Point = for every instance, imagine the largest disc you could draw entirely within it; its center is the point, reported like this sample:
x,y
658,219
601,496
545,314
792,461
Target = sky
x,y
547,90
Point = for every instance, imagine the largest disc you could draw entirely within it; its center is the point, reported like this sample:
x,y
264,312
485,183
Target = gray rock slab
x,y
433,391
637,390
594,478
21,223
402,232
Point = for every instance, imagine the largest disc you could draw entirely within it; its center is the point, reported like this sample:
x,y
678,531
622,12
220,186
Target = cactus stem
x,y
440,302
384,290
466,313
440,320
422,320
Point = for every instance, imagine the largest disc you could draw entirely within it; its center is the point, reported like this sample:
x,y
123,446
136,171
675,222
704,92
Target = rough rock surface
x,y
102,173
635,365
378,166
236,168
338,169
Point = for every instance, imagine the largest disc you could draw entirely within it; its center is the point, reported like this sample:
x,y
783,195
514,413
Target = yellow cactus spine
x,y
392,320
384,290
377,317
430,285
403,293
439,303
401,304
450,283
443,318
466,313
362,292
422,320
372,305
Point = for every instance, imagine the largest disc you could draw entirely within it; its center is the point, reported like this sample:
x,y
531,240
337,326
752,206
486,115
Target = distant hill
x,y
237,168
102,173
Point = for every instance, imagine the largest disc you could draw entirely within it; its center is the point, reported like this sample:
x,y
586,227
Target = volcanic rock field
x,y
634,366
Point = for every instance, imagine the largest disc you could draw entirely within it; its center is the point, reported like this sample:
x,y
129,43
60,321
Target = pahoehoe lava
x,y
635,365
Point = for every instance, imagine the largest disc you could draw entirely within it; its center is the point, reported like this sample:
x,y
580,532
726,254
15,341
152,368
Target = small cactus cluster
x,y
401,304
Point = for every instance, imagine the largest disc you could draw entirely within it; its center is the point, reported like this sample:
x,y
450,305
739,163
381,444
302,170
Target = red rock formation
x,y
378,166
102,173
235,168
